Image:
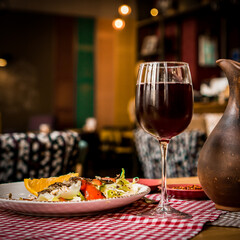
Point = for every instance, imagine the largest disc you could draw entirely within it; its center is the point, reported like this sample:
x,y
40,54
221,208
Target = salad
x,y
83,189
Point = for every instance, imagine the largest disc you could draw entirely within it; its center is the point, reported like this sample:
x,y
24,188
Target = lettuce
x,y
121,187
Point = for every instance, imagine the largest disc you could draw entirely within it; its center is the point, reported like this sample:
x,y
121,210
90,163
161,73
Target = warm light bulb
x,y
118,24
124,10
154,12
3,62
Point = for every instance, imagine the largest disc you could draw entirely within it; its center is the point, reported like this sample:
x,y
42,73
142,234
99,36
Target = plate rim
x,y
150,179
186,194
184,184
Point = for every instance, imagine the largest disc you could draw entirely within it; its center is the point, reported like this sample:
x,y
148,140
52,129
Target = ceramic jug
x,y
219,159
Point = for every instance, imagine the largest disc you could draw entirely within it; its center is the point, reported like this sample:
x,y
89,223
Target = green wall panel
x,y
85,70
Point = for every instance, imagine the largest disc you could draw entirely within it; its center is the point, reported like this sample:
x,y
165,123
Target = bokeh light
x,y
118,24
154,12
124,10
3,62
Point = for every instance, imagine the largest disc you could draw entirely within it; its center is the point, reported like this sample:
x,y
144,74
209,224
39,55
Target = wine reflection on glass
x,y
164,107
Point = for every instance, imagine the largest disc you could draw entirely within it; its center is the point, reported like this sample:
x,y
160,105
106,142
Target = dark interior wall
x,y
65,50
26,84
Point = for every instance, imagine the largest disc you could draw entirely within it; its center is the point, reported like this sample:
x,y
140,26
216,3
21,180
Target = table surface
x,y
209,232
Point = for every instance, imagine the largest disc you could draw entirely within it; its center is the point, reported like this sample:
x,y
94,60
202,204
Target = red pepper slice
x,y
83,185
91,192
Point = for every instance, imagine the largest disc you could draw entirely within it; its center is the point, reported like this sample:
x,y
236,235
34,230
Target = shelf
x,y
181,31
172,14
211,107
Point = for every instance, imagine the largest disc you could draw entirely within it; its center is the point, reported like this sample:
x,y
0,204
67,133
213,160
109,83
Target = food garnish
x,y
10,196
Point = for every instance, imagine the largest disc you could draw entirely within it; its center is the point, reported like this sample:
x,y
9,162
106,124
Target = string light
x,y
124,10
118,24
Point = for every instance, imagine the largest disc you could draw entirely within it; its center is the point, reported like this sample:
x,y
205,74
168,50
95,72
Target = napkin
x,y
228,219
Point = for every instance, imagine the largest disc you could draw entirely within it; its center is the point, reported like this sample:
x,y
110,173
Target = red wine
x,y
164,109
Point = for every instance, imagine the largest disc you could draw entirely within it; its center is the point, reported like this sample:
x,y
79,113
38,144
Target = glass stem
x,y
164,196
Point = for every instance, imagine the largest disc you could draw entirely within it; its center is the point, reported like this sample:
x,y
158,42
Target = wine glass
x,y
164,107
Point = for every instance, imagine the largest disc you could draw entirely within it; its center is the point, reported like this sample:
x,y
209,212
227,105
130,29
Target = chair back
x,y
37,155
182,156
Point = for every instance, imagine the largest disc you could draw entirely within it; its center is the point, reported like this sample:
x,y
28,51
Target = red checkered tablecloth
x,y
121,224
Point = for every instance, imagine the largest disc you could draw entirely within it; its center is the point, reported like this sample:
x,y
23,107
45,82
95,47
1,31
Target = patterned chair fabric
x,y
183,152
36,155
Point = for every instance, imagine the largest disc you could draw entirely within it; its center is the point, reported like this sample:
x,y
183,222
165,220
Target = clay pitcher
x,y
219,159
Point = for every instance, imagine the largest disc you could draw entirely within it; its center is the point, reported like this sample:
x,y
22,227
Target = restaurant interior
x,y
68,72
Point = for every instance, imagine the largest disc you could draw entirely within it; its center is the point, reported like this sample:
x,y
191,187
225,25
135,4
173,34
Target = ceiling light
x,y
118,24
124,10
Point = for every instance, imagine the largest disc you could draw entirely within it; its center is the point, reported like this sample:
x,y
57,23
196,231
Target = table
x,y
122,224
209,232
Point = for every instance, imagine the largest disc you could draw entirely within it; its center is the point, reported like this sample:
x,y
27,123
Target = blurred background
x,y
65,65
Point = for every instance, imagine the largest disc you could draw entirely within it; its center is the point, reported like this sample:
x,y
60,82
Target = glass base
x,y
165,212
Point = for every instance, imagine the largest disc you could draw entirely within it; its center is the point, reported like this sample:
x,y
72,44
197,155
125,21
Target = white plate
x,y
18,190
